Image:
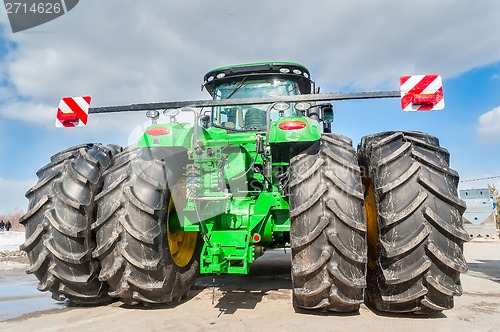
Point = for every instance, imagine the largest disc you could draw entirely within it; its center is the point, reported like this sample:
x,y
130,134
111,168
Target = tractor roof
x,y
289,70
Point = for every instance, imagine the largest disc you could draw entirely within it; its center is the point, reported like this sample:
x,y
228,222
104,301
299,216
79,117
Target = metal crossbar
x,y
246,101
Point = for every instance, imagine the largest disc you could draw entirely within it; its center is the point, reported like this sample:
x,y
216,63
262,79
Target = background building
x,y
479,218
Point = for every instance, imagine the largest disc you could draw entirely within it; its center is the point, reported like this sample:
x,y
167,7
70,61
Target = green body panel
x,y
228,222
179,134
236,237
311,132
234,185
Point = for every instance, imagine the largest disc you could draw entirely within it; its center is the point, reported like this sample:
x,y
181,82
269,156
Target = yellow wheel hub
x,y
371,223
182,245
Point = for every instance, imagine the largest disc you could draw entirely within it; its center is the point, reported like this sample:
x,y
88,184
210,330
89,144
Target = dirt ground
x,y
262,302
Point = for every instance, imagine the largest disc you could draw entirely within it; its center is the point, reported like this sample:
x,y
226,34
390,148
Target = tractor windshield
x,y
250,117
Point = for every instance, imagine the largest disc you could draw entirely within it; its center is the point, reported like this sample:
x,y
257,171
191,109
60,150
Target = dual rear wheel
x,y
102,224
145,257
59,240
385,220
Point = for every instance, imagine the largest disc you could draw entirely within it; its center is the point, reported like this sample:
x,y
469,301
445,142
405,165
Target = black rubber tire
x,y
131,231
419,254
59,241
327,233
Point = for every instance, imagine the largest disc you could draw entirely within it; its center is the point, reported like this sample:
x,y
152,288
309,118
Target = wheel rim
x,y
371,223
182,245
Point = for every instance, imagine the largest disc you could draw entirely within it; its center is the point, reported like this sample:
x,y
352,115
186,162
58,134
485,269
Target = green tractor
x,y
258,168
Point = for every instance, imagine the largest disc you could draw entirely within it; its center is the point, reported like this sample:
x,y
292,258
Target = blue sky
x,y
120,53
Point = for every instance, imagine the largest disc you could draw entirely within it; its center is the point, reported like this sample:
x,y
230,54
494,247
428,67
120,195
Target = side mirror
x,y
205,120
327,113
321,112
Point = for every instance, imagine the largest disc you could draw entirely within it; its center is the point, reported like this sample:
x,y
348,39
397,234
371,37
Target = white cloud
x,y
45,115
12,194
488,128
29,112
122,51
131,45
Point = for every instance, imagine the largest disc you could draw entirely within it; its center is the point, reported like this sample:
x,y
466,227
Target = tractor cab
x,y
259,80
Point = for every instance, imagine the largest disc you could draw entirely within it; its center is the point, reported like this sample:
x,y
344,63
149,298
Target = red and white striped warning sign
x,y
421,93
73,111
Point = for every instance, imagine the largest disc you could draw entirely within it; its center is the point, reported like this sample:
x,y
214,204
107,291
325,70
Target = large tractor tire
x,y
144,255
59,241
327,233
414,220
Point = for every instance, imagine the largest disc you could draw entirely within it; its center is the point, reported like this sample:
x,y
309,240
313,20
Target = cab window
x,y
250,117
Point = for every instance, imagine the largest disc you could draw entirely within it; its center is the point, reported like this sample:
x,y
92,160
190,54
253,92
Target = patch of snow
x,y
9,247
7,266
10,241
